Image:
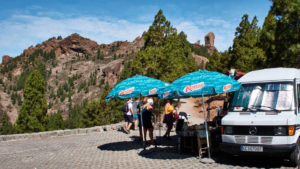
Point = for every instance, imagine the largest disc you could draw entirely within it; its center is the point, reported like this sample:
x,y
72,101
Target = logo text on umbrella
x,y
152,91
166,94
193,87
127,91
226,87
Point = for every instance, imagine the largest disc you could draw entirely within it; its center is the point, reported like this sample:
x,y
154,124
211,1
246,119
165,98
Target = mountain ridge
x,y
75,69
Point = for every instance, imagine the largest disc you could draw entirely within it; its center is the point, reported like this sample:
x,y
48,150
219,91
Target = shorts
x,y
168,119
128,118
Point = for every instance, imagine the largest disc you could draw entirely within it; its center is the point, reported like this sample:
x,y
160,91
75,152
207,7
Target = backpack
x,y
125,107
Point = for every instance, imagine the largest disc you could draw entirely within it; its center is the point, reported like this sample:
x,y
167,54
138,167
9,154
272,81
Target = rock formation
x,y
112,72
209,42
5,59
200,59
78,44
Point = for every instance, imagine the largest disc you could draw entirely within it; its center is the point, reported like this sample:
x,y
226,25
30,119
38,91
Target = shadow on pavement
x,y
121,146
163,153
160,140
166,149
136,144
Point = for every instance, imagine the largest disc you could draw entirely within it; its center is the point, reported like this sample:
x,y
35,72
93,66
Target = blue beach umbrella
x,y
136,86
200,84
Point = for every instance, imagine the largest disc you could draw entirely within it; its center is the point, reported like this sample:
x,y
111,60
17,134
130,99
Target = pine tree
x,y
287,34
158,31
267,40
6,127
33,112
219,61
246,54
75,119
56,121
101,112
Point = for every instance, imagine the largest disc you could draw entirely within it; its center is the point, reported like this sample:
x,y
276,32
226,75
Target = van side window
x,y
298,91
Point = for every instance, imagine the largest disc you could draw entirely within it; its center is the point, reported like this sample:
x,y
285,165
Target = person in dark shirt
x,y
147,119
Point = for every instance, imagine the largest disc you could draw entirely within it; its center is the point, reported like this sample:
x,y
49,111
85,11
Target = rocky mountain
x,y
75,69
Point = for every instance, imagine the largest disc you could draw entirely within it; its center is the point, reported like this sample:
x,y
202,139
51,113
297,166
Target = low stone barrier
x,y
66,132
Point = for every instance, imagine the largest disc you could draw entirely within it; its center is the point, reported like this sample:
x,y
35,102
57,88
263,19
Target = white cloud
x,y
194,33
214,22
20,31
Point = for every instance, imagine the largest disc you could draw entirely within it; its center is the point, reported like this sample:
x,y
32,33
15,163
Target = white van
x,y
264,115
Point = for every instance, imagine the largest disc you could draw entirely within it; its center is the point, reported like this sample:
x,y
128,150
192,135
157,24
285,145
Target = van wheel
x,y
295,155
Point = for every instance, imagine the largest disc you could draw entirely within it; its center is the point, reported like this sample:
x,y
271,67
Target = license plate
x,y
252,148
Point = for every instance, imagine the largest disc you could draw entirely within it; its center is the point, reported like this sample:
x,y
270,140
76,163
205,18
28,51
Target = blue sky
x,y
28,22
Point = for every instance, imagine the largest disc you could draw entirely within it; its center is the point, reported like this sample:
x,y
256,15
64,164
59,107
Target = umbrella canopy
x,y
136,86
199,83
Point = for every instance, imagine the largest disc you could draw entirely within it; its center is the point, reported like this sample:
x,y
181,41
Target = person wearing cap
x,y
129,116
147,116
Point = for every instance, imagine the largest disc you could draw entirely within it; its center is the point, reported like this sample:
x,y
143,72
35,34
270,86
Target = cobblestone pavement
x,y
112,149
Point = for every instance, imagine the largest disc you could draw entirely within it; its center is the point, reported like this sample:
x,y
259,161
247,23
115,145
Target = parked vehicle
x,y
264,115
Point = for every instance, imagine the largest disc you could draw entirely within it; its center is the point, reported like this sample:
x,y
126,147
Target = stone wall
x,y
58,133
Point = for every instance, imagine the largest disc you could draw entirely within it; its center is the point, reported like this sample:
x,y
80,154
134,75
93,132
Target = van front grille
x,y
266,140
240,139
259,130
253,140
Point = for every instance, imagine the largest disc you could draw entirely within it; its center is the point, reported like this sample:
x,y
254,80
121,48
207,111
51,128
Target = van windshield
x,y
263,97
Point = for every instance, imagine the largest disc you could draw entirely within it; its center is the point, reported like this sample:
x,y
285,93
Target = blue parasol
x,y
136,86
198,84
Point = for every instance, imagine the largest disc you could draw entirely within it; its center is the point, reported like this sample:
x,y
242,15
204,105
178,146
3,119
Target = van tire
x,y
295,155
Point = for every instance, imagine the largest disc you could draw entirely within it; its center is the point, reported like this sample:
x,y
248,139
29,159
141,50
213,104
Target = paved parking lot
x,y
112,149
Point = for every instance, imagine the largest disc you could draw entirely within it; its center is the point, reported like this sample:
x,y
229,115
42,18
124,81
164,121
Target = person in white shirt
x,y
129,117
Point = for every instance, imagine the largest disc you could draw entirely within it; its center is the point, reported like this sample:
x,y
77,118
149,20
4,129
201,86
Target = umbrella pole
x,y
206,128
159,118
154,134
141,113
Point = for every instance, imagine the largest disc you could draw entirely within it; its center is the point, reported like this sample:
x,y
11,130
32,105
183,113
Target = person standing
x,y
135,109
169,118
137,117
128,116
147,119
